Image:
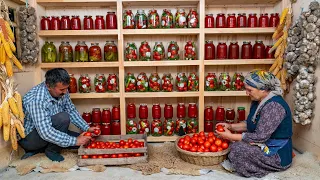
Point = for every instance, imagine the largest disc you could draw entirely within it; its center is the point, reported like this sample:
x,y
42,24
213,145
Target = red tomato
x,y
181,140
200,141
84,156
157,57
210,134
220,128
224,145
213,148
93,145
207,150
186,141
94,156
220,149
121,142
97,132
194,140
114,155
207,144
218,142
141,144
137,154
130,140
201,133
210,140
106,156
187,137
186,147
195,135
193,149
120,155
100,156
87,134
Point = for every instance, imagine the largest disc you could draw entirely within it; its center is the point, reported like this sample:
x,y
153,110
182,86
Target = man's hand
x,y
91,129
226,134
82,140
225,125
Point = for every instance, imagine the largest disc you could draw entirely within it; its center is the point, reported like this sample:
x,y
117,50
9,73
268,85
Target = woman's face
x,y
254,93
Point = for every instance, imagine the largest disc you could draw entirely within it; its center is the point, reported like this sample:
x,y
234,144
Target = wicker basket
x,y
202,158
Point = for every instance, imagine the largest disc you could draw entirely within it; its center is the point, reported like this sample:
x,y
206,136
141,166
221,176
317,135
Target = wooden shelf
x,y
79,65
159,3
162,63
93,95
240,2
161,94
189,31
222,62
225,93
77,3
161,138
20,2
269,30
56,33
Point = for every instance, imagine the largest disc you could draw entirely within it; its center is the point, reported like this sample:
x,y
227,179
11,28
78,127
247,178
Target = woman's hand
x,y
226,134
225,125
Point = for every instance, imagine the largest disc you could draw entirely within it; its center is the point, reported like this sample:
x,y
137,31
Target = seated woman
x,y
266,145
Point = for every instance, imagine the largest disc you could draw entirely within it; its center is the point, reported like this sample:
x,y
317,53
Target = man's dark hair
x,y
57,75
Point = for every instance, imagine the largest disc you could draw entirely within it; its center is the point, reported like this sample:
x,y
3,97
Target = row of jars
x,y
224,82
257,51
82,52
101,83
154,21
241,21
65,23
158,52
154,84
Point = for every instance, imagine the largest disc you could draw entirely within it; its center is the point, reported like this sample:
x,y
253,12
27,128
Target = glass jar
x,y
211,82
65,23
180,19
106,116
45,23
241,114
131,52
173,51
55,23
192,110
237,82
141,20
192,125
115,127
220,113
105,129
81,51
259,50
111,20
222,50
73,84
100,83
96,115
274,20
116,112
144,126
154,83
153,18
49,53
167,83
242,20
168,111
87,22
144,51
181,82
112,83
65,52
156,127
252,20
224,82
75,23
87,117
208,113
246,50
156,111
190,51
95,53
230,115
233,50
130,82
99,22
110,51
128,20
131,127
142,82
168,127
208,126
167,19
143,111
193,82
84,83
181,110
158,51
209,21
181,122
193,19
131,111
269,55
264,20
209,50
221,21
231,21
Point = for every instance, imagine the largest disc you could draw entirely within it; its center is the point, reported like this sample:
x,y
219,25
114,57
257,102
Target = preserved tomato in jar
x,y
75,23
144,51
106,115
181,82
105,129
156,127
246,50
141,20
230,115
231,21
131,127
190,51
193,82
220,113
96,115
208,113
167,83
115,127
73,84
81,52
65,52
95,52
269,55
115,112
252,20
192,125
156,111
84,83
224,82
45,23
209,21
128,20
131,110
181,110
112,83
211,82
168,127
143,111
100,83
154,83
144,126
234,50
87,117
209,50
208,126
241,114
181,19
259,50
173,51
142,82
167,19
87,22
168,111
99,22
242,20
193,19
274,20
111,20
220,21
158,51
55,23
192,110
154,20
130,82
264,20
222,50
65,23
131,52
237,82
110,51
181,122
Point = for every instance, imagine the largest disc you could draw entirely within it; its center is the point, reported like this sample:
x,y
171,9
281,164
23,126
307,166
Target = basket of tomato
x,y
204,149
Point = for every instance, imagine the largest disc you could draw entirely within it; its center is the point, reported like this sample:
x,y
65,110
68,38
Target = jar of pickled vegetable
x,y
144,51
84,83
112,83
181,110
154,83
99,22
168,111
168,127
45,23
242,20
65,23
55,23
131,127
156,127
144,126
158,51
222,51
231,21
209,50
234,50
111,20
246,50
142,82
211,82
167,82
106,115
274,20
193,82
208,126
154,20
115,127
81,51
181,19
181,122
73,84
208,113
181,82
131,52
100,83
230,115
221,21
237,82
269,55
96,115
193,19
252,20
110,51
87,22
192,110
220,113
130,82
128,20
141,20
173,51
167,19
115,112
259,50
143,111
65,52
264,20
224,82
75,23
87,117
209,21
49,53
105,129
95,52
192,125
241,114
190,51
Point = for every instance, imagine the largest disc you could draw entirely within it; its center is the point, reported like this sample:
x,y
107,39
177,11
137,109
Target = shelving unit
x,y
121,36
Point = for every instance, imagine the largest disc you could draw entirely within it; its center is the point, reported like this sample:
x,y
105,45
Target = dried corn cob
x,y
5,113
283,15
278,50
9,69
13,137
279,75
6,132
13,106
278,30
1,122
9,30
12,46
18,98
3,54
7,49
274,47
17,62
3,28
20,128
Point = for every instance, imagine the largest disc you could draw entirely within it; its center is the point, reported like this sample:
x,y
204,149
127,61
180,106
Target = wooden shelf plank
x,y
190,31
222,62
93,95
269,30
225,93
77,3
161,94
161,138
20,2
162,63
56,33
160,2
242,2
79,65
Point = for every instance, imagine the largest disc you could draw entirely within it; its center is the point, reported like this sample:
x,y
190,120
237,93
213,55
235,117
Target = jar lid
x,y
234,42
241,108
259,41
88,16
95,109
143,104
115,120
140,11
220,106
222,42
231,14
106,109
221,14
168,104
208,107
192,103
181,104
116,105
181,10
99,16
71,74
156,104
62,42
229,109
64,16
86,112
242,14
105,124
252,14
209,14
246,42
209,41
111,12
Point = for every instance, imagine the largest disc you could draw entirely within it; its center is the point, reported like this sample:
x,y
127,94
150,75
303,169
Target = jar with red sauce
x,y
45,23
111,20
115,127
87,22
95,53
96,115
106,115
241,114
208,113
192,125
242,20
168,127
168,111
116,112
181,110
73,84
208,126
75,23
156,111
131,126
99,22
252,20
87,117
209,21
259,50
231,21
264,20
220,113
143,111
181,122
230,115
65,23
271,55
131,110
234,50
221,21
144,126
55,23
105,129
192,110
222,51
246,50
156,127
209,50
274,20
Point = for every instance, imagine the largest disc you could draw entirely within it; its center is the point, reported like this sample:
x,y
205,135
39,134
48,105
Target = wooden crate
x,y
114,161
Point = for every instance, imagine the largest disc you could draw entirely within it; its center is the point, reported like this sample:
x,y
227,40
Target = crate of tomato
x,y
114,150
